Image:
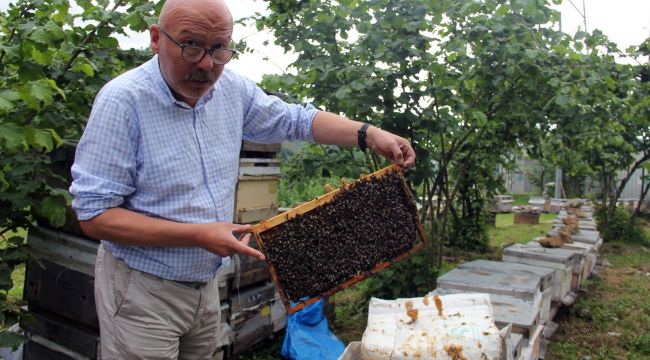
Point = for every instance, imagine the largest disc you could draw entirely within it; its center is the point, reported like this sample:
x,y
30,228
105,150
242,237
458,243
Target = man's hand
x,y
392,147
219,238
332,129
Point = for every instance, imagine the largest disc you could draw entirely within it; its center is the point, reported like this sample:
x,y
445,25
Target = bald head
x,y
202,24
207,11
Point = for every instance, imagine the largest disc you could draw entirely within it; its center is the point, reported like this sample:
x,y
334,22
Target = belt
x,y
193,284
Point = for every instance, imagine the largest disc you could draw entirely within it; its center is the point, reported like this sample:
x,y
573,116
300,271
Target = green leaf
x,y
9,339
562,100
4,184
13,136
40,139
39,90
53,208
84,68
7,99
480,117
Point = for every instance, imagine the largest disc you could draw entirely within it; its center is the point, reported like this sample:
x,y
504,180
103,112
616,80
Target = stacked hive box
x,y
60,296
255,311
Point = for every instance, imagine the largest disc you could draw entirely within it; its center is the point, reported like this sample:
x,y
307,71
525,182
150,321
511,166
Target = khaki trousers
x,y
145,317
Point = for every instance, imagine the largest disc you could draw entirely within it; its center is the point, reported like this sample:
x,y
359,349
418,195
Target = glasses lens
x,y
193,53
222,56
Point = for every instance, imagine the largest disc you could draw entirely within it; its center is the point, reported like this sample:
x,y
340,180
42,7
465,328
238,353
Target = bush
x,y
621,227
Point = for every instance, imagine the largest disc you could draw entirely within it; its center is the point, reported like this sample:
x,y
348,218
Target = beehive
x,y
336,240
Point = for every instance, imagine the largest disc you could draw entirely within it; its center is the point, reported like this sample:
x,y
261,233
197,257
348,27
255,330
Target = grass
x,y
611,319
506,232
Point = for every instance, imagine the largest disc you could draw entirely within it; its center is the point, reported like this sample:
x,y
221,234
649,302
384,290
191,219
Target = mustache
x,y
200,75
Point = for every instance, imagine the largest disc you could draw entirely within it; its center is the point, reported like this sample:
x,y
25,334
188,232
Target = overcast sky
x,y
626,22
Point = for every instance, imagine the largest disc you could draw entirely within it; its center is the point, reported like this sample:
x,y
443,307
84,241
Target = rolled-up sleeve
x,y
104,170
267,119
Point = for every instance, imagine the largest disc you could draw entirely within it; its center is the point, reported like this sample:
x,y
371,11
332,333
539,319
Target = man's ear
x,y
154,36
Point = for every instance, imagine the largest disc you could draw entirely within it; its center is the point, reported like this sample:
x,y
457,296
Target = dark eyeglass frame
x,y
211,51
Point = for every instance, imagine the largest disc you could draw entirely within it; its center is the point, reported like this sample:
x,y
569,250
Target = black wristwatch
x,y
361,136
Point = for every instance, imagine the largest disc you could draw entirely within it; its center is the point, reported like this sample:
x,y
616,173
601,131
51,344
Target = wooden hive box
x,y
256,195
562,261
63,283
545,276
516,299
587,252
578,268
336,240
583,236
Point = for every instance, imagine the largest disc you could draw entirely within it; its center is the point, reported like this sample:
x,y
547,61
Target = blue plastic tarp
x,y
308,336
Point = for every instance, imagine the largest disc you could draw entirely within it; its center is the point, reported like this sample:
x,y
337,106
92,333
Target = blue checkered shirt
x,y
145,151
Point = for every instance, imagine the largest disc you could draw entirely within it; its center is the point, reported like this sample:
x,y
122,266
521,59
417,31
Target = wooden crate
x,y
504,203
68,250
587,252
583,236
259,230
256,192
526,218
278,314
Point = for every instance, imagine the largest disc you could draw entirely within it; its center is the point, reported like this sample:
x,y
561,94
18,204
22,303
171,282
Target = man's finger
x,y
398,157
244,249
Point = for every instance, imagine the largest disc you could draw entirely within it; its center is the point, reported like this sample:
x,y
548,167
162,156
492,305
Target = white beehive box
x,y
446,327
516,299
561,261
545,276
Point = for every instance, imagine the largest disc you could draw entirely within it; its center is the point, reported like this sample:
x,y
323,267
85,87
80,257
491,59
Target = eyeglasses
x,y
195,54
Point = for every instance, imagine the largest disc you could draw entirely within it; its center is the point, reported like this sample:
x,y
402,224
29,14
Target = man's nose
x,y
206,62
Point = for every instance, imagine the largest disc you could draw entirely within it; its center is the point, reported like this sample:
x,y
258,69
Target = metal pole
x,y
584,14
558,183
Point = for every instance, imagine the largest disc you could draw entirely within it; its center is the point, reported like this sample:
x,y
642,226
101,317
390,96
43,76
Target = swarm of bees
x,y
367,222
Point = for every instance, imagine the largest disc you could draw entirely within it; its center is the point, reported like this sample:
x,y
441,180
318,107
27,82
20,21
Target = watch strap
x,y
361,137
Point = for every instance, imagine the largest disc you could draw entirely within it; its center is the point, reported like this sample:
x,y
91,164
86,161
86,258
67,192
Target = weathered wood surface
x,y
264,148
584,236
587,251
579,266
544,275
259,167
562,262
481,280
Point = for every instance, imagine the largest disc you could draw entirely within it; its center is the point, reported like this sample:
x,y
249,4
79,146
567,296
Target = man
x,y
155,174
